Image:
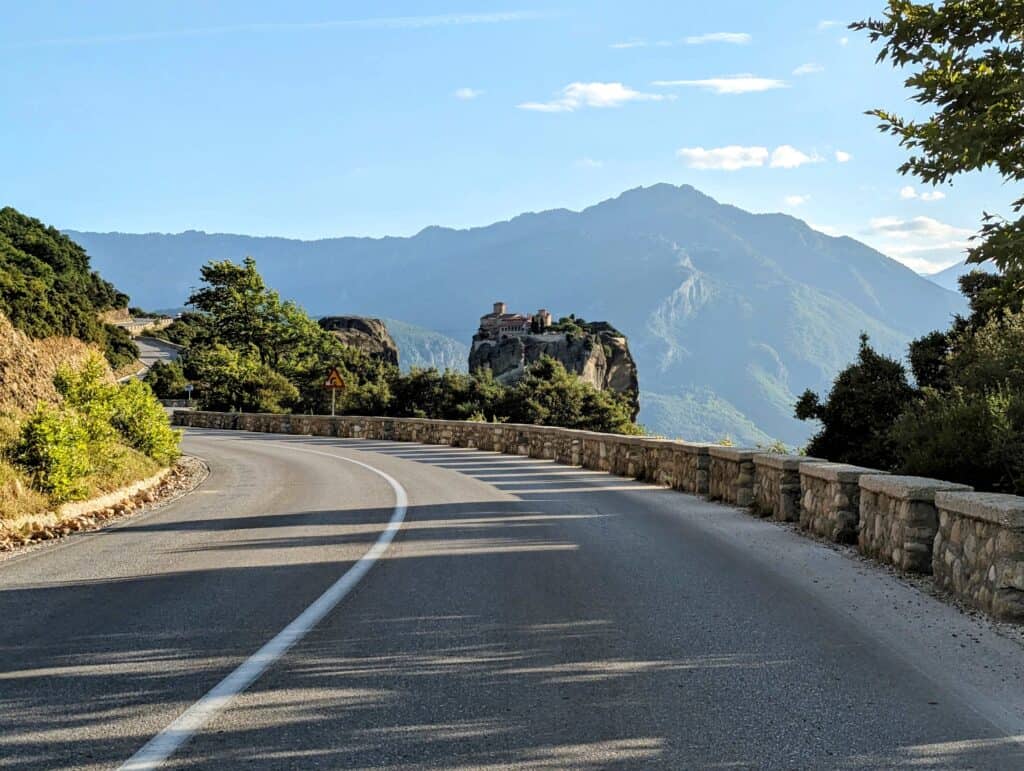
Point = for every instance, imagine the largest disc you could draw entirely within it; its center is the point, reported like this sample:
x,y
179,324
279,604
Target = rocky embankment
x,y
366,334
599,355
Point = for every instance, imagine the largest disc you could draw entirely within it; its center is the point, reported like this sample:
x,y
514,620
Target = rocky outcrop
x,y
366,334
600,356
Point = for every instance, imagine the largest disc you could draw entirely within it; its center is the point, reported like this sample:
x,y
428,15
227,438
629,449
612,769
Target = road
x,y
527,615
152,350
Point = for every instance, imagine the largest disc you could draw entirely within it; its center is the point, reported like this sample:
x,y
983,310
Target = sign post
x,y
188,390
334,383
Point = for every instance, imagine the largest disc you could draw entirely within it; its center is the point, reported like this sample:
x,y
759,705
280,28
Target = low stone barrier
x,y
830,499
731,475
979,550
898,519
777,485
682,466
978,547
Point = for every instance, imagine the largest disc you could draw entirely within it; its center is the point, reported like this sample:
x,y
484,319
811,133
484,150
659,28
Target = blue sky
x,y
317,119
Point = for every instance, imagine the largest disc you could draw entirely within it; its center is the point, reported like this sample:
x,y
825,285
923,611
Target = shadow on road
x,y
543,631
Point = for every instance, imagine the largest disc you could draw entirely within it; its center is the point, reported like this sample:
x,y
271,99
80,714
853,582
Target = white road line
x,y
164,744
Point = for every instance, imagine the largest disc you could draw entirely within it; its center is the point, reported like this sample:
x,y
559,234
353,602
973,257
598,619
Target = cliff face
x,y
600,356
366,334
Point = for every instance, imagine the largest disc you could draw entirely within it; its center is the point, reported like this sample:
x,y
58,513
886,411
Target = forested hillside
x,y
47,288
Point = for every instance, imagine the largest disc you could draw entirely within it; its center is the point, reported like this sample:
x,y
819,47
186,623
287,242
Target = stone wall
x,y
777,485
979,550
830,499
731,475
680,465
898,519
978,547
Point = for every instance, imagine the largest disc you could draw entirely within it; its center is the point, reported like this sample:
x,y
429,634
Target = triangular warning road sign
x,y
334,379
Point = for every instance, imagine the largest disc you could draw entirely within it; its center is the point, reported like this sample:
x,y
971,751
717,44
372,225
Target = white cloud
x,y
589,163
919,228
578,95
788,157
843,157
638,43
843,41
732,38
909,193
465,94
796,200
727,84
922,243
827,24
731,158
735,157
808,69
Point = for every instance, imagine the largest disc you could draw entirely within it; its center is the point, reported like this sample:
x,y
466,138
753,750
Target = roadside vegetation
x,y
247,349
96,437
962,418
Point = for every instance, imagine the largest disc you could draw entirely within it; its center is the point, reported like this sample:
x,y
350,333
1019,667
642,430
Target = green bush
x,y
142,422
54,446
91,431
167,379
965,436
856,419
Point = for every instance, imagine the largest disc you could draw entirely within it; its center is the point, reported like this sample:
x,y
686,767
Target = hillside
x,y
47,287
27,366
723,308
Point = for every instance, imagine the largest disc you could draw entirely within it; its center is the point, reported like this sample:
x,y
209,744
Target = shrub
x,y
167,379
965,436
143,423
858,416
54,446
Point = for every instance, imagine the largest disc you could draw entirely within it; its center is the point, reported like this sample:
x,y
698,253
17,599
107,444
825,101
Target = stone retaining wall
x,y
979,550
777,485
830,499
682,466
731,475
898,519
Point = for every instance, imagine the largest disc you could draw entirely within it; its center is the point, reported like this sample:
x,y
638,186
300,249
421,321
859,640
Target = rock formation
x,y
366,334
595,350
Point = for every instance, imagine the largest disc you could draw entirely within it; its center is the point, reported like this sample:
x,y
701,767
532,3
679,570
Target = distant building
x,y
499,323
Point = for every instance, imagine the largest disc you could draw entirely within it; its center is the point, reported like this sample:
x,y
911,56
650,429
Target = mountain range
x,y
729,314
949,278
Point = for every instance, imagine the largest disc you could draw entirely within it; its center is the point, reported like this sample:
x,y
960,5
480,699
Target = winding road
x,y
526,615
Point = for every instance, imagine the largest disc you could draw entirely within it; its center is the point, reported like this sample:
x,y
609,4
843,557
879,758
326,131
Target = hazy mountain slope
x,y
420,347
949,278
749,308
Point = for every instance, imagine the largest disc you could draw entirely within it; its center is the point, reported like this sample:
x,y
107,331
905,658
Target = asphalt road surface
x,y
152,350
526,615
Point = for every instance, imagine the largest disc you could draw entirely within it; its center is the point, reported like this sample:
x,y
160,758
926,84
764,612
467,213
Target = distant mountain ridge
x,y
729,314
949,278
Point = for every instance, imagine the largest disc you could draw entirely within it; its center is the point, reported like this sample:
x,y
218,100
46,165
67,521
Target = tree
x,y
167,379
866,399
967,61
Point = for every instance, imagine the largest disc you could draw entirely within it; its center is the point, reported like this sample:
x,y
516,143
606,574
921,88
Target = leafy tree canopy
x,y
967,62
